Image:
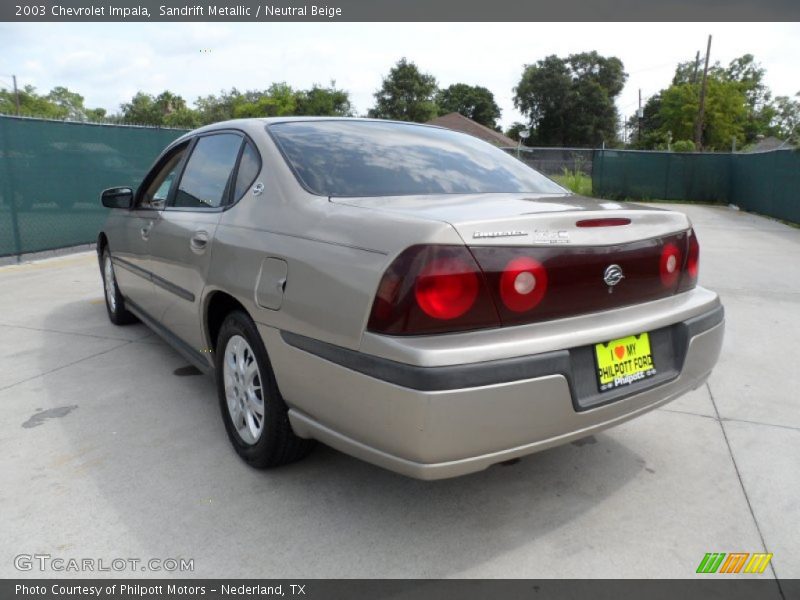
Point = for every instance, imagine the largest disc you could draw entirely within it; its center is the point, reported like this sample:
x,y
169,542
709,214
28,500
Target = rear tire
x,y
255,415
115,303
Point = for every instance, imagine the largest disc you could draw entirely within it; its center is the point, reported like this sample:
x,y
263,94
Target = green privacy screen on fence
x,y
767,183
52,173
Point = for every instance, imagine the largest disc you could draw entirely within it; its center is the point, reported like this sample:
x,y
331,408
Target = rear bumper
x,y
449,420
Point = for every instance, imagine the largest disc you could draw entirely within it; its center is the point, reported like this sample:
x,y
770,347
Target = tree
x,y
165,109
278,100
406,94
59,103
749,76
570,101
786,123
472,101
212,109
68,104
652,134
324,101
738,106
725,113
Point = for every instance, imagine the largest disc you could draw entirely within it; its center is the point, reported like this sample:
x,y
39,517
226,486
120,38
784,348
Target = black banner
x,y
400,10
709,587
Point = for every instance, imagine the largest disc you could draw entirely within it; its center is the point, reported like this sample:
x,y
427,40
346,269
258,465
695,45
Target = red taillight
x,y
573,278
692,268
447,288
432,289
523,284
693,260
670,265
440,289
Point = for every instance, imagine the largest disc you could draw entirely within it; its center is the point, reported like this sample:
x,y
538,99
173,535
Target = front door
x,y
182,240
131,253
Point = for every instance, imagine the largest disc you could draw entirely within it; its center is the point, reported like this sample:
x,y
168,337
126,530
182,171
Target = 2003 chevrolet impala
x,y
407,294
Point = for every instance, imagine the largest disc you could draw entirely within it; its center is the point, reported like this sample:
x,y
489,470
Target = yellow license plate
x,y
624,361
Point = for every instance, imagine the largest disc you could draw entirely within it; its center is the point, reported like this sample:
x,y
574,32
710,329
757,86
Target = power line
x,y
669,64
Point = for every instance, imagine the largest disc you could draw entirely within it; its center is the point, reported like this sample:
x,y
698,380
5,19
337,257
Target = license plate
x,y
624,361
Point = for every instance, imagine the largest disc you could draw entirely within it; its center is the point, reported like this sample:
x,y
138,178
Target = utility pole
x,y
701,113
640,115
16,92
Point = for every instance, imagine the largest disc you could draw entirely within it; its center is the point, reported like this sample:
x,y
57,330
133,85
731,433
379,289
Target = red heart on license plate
x,y
619,351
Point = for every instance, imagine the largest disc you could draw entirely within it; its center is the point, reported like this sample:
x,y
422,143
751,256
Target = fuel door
x,y
271,283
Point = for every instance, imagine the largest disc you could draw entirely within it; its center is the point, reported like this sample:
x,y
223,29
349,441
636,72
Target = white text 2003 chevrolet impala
x,y
407,294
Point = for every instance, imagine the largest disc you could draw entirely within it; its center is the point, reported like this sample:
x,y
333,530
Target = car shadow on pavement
x,y
151,447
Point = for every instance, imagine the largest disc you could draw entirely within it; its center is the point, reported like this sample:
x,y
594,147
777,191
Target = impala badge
x,y
613,276
497,234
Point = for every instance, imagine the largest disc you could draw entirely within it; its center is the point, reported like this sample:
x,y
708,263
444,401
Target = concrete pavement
x,y
110,448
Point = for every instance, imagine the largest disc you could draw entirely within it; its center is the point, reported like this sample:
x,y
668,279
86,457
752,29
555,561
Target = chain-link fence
x,y
766,182
52,173
556,161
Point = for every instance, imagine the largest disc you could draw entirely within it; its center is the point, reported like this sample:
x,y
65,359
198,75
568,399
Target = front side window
x,y
157,188
206,179
340,158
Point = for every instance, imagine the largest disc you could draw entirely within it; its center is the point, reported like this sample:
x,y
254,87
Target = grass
x,y
575,181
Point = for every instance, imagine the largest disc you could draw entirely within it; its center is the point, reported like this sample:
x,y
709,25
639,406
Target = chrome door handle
x,y
199,241
145,231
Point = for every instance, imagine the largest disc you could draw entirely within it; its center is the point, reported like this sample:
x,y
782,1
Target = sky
x,y
109,62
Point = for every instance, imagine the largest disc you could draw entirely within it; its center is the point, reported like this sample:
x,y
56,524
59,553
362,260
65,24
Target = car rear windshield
x,y
342,158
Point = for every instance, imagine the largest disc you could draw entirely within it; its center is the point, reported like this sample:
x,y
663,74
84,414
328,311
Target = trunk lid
x,y
530,219
528,259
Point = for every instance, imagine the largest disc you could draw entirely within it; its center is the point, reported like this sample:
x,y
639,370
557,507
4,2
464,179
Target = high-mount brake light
x,y
603,222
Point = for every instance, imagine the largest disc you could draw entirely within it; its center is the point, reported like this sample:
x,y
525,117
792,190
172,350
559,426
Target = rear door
x,y
130,249
182,240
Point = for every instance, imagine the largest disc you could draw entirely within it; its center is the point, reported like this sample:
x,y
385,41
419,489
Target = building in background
x,y
458,122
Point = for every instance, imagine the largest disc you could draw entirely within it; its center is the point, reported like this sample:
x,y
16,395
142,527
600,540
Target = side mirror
x,y
118,197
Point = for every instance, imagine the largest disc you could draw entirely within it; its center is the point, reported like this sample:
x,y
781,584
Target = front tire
x,y
115,303
255,415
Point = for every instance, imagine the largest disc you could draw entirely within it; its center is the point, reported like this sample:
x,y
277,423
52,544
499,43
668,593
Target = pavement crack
x,y
744,490
686,412
729,419
44,330
74,362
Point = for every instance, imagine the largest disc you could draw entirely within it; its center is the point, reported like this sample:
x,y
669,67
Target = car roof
x,y
249,122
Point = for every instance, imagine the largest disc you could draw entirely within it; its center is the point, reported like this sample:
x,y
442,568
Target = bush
x,y
683,146
576,181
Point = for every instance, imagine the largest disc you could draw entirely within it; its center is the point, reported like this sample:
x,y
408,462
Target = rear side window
x,y
248,169
206,179
372,158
